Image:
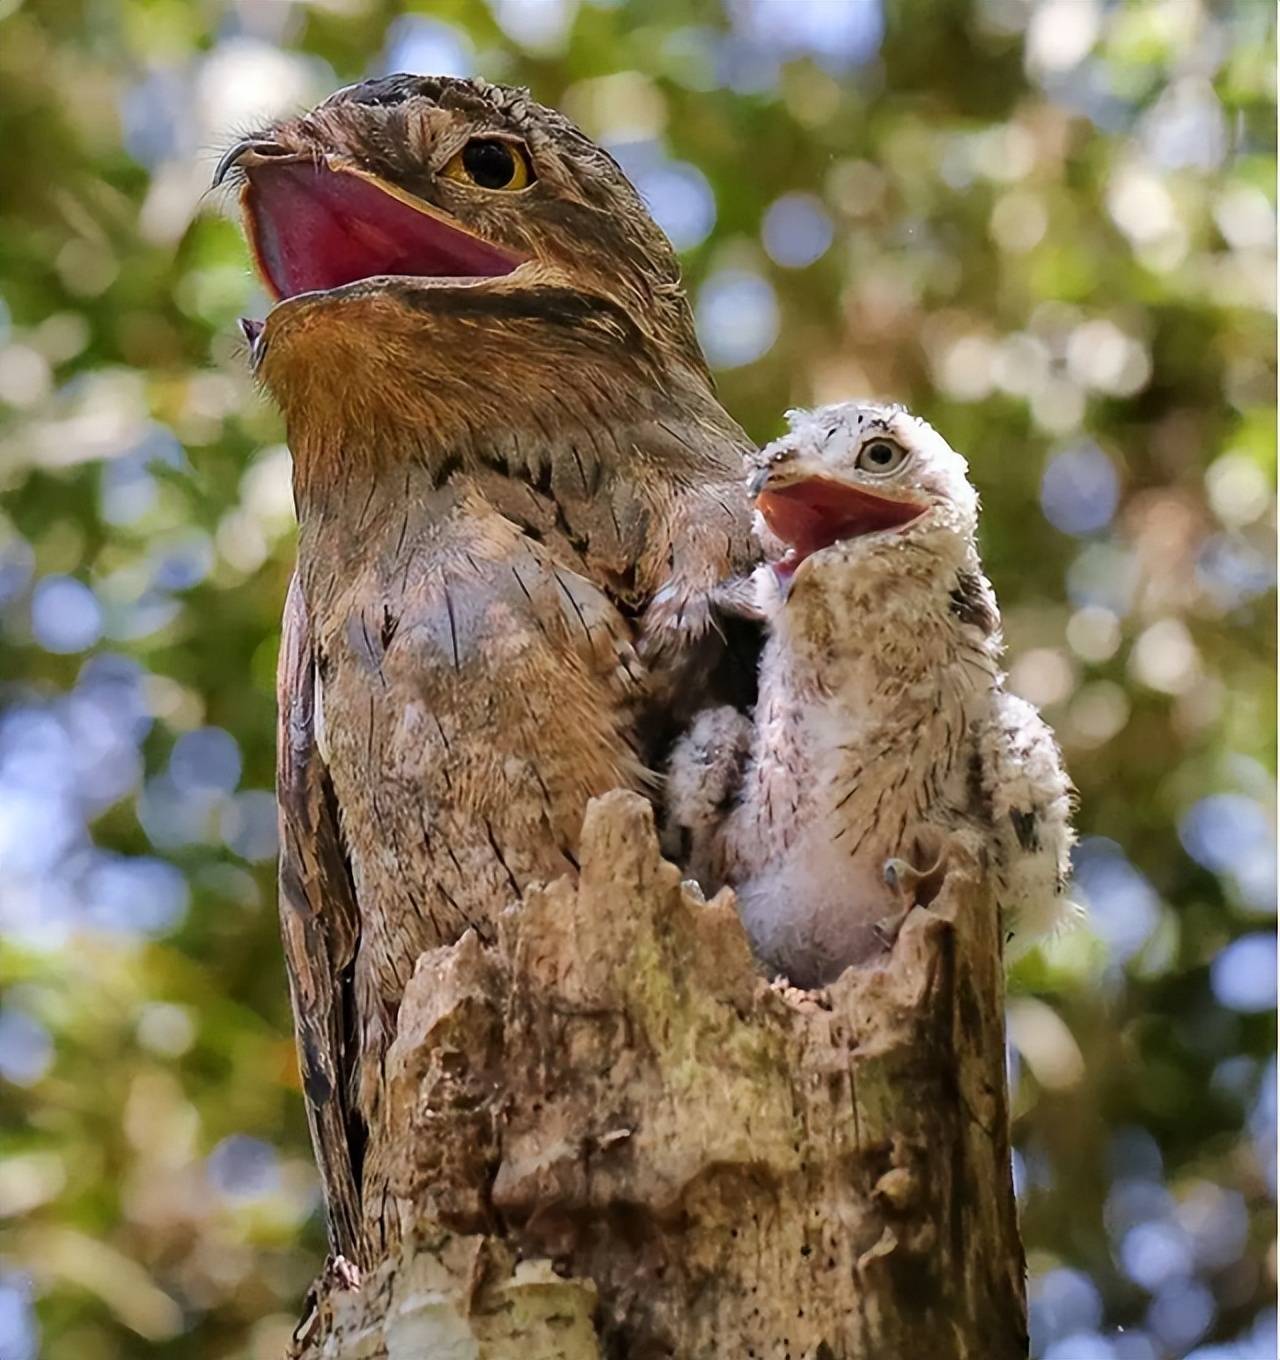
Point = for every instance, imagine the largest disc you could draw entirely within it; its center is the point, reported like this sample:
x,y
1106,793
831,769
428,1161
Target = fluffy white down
x,y
882,725
1025,776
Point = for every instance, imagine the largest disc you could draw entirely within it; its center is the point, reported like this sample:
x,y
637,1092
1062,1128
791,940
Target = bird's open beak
x,y
810,510
316,224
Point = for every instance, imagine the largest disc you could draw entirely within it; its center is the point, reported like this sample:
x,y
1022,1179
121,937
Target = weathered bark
x,y
618,1141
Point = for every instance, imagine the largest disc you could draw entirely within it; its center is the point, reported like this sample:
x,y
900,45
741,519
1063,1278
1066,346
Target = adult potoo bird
x,y
883,727
515,492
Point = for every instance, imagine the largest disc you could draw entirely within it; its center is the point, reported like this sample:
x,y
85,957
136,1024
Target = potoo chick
x,y
883,727
515,492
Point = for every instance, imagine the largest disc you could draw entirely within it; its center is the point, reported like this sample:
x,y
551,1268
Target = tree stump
x,y
617,1140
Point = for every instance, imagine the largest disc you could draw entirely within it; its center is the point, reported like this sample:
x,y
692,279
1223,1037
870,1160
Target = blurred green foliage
x,y
1048,226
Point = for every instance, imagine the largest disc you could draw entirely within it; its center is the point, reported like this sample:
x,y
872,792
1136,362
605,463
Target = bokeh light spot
x,y
1062,1302
1243,975
206,759
737,317
243,1169
248,825
1181,1313
427,47
1225,831
1094,634
1155,1251
1080,490
679,196
1123,907
166,1029
26,1048
797,230
836,33
19,1333
65,615
1165,657
135,894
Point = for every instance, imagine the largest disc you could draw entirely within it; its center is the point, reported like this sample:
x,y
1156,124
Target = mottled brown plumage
x,y
515,493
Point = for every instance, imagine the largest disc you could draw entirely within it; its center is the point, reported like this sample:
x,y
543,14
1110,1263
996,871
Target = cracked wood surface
x,y
616,1140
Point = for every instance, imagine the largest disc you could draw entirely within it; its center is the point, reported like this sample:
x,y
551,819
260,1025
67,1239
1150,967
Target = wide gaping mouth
x,y
817,512
314,228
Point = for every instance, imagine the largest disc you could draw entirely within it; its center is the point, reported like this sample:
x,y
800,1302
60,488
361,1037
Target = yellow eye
x,y
491,163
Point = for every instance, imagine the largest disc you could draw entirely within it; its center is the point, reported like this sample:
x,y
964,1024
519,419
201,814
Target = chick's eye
x,y
882,455
490,163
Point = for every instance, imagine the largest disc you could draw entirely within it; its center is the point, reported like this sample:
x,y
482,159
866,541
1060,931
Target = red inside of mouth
x,y
316,228
814,514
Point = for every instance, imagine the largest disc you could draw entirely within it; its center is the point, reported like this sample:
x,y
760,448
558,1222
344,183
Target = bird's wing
x,y
704,778
1031,801
698,636
320,927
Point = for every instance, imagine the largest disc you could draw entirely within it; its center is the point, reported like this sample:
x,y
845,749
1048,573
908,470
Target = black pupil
x,y
880,454
491,164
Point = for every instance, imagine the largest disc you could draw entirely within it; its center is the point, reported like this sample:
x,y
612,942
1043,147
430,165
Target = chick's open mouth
x,y
315,228
817,512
